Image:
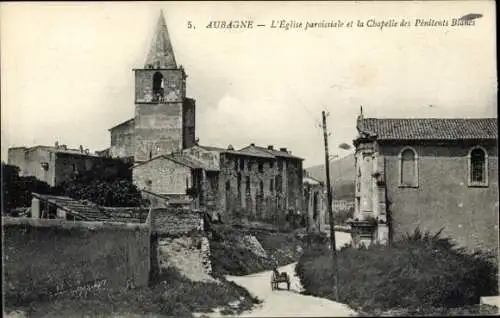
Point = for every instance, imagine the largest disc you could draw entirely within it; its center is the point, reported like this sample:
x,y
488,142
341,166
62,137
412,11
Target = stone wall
x,y
158,130
181,242
175,222
189,254
294,184
158,126
189,123
122,140
162,176
44,256
443,197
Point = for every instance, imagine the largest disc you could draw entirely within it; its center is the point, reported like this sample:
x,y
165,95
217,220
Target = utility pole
x,y
330,212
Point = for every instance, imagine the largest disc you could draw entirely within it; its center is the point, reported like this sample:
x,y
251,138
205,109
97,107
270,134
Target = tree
x,y
16,190
115,193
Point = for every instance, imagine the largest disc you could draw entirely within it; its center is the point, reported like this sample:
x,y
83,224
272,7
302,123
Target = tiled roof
x,y
181,159
272,152
257,154
131,120
187,161
431,128
254,151
212,148
87,211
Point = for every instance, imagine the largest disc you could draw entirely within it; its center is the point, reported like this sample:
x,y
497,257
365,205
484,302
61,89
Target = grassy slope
x,y
230,259
171,295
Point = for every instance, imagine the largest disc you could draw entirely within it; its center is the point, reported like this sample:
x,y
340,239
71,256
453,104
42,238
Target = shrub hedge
x,y
418,272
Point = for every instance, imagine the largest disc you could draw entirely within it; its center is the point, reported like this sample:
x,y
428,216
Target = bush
x,y
342,216
115,193
419,272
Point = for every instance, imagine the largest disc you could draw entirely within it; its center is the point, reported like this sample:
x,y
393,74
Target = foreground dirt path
x,y
283,303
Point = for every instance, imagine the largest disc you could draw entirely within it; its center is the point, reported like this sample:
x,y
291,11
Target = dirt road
x,y
291,303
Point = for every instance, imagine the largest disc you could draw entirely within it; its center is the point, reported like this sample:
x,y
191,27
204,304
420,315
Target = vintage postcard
x,y
249,159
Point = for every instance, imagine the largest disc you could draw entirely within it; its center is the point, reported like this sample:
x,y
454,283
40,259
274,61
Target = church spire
x,y
161,53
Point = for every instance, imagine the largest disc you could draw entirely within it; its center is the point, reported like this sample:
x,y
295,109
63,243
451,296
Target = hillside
x,y
342,176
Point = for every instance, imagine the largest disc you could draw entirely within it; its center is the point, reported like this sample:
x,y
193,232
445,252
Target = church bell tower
x,y
164,117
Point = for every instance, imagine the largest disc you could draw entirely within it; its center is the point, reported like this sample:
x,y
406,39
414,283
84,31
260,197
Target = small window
x,y
262,187
242,164
408,168
478,167
235,164
271,185
261,167
271,165
280,165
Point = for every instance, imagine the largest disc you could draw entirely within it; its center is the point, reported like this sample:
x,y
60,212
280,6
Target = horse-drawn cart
x,y
277,278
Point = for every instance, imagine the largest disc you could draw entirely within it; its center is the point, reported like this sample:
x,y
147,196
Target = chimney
x,y
283,149
87,151
230,147
270,147
252,144
56,144
81,148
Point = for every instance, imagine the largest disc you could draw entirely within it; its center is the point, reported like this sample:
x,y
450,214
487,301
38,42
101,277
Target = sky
x,y
66,69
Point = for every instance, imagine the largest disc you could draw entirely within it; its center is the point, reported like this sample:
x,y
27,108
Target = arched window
x,y
408,160
157,87
478,167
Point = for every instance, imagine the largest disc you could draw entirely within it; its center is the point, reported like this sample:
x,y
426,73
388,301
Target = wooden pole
x,y
330,212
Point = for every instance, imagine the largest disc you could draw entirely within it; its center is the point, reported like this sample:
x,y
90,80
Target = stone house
x,y
260,182
250,182
59,163
430,173
175,176
315,203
